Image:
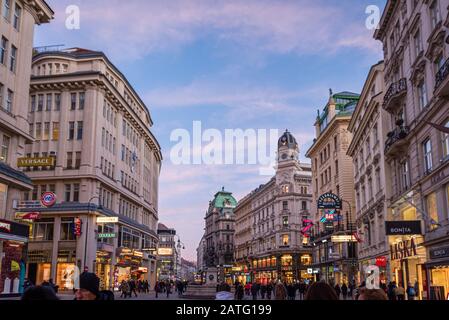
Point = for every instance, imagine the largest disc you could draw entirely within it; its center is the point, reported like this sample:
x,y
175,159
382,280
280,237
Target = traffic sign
x,y
48,199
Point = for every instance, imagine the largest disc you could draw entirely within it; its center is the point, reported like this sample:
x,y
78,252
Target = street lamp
x,y
87,225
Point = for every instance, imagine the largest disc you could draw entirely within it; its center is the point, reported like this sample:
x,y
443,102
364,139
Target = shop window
x,y
285,240
432,210
286,260
306,260
67,232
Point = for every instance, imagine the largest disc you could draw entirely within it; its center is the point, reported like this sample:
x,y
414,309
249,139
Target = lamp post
x,y
87,226
178,256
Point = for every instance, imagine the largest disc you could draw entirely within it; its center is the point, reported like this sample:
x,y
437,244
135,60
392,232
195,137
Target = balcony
x,y
397,142
442,80
395,92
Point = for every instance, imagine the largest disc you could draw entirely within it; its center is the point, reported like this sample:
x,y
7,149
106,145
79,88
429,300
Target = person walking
x,y
248,288
239,291
337,290
254,290
168,289
411,293
344,290
269,290
280,292
132,288
400,292
157,289
263,291
302,290
391,291
124,288
291,291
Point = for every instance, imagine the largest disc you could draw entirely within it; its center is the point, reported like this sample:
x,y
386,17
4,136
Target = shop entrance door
x,y
32,272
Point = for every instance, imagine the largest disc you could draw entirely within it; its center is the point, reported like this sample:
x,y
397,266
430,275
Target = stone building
x,y
414,36
219,235
269,243
332,172
369,125
102,160
17,21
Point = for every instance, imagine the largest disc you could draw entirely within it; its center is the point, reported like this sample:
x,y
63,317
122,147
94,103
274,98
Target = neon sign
x,y
307,225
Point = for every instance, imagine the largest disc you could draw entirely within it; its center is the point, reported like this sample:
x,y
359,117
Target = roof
x,y
224,199
15,174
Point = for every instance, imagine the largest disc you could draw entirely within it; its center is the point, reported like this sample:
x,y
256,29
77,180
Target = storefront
x,y
13,249
381,262
103,268
407,263
130,265
438,273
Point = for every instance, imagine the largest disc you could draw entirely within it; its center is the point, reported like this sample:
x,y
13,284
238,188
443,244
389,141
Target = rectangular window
x,y
40,102
71,130
6,141
417,42
38,131
9,100
285,205
78,160
46,131
55,132
285,240
405,175
422,94
69,160
7,9
13,59
446,142
67,230
427,150
57,101
123,152
76,192
73,101
285,221
432,210
31,130
49,102
33,103
79,133
3,50
435,16
68,191
82,99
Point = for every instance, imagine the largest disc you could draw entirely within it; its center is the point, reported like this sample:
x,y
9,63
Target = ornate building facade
x,y
414,35
101,160
269,244
332,172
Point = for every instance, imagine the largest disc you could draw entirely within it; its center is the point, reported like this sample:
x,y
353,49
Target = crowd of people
x,y
169,286
132,286
320,290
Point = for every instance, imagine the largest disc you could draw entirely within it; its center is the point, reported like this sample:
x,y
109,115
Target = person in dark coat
x,y
157,289
337,290
263,291
39,293
89,288
291,291
391,294
254,290
269,290
344,290
239,291
302,290
132,288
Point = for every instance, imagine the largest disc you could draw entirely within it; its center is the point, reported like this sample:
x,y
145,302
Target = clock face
x,y
284,156
284,140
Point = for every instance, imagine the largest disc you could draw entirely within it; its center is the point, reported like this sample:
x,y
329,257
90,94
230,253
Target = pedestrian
x,y
291,291
344,290
157,289
168,289
224,292
302,290
411,293
320,291
269,290
146,287
357,293
263,291
39,293
400,292
89,288
239,291
254,290
248,288
337,290
132,287
391,290
350,290
123,290
180,288
280,292
372,294
27,284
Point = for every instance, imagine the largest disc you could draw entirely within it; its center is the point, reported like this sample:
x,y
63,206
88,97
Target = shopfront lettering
x,y
403,249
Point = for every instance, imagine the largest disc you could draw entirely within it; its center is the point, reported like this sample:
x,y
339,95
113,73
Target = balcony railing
x,y
394,92
442,80
394,138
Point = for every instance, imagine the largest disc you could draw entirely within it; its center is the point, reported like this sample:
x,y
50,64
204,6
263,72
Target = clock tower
x,y
288,149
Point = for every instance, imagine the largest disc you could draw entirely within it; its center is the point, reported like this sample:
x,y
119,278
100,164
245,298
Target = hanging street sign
x,y
48,199
329,201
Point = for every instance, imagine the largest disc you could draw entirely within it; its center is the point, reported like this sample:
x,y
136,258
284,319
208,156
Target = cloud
x,y
135,28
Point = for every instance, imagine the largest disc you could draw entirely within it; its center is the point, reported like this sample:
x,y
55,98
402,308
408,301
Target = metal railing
x,y
399,133
395,89
442,74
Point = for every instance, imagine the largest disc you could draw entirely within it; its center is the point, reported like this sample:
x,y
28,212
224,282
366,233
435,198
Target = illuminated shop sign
x,y
403,249
77,227
27,216
48,199
107,219
381,261
5,226
36,162
412,227
107,235
439,253
165,251
307,224
329,201
343,238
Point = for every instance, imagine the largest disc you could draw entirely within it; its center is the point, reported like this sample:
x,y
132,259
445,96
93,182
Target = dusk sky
x,y
229,64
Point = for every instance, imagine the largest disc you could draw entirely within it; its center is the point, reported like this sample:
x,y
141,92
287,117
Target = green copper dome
x,y
224,199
